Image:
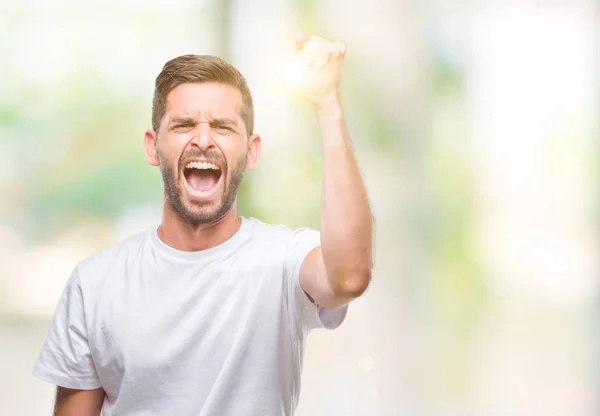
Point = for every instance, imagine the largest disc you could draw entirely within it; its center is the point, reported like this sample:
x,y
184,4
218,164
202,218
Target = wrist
x,y
330,118
328,106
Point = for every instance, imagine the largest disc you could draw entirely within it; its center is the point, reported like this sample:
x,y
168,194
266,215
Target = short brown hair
x,y
199,68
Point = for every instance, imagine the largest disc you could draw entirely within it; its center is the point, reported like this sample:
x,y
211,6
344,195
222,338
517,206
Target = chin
x,y
202,212
197,209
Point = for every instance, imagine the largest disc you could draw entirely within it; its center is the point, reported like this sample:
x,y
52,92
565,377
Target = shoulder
x,y
281,236
279,232
261,228
118,255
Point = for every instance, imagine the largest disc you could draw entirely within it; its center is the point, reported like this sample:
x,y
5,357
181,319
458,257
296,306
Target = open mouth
x,y
202,177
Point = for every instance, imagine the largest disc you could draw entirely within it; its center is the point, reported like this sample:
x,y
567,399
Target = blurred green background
x,y
474,123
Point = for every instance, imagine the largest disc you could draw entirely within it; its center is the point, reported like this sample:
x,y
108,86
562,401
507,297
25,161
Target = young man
x,y
207,313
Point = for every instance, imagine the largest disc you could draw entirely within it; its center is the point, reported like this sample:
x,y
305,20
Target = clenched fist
x,y
322,60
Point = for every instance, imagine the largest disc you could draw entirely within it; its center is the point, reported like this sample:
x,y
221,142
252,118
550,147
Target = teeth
x,y
201,165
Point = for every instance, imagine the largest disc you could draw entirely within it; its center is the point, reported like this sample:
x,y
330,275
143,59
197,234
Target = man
x,y
207,313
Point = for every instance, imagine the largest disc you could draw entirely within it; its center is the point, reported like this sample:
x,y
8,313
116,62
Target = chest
x,y
172,324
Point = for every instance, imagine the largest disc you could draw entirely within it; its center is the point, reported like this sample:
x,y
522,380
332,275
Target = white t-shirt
x,y
218,332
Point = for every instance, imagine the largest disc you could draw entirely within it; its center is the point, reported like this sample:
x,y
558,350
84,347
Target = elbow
x,y
355,286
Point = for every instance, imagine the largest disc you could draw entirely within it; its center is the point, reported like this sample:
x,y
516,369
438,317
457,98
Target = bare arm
x,y
70,402
340,270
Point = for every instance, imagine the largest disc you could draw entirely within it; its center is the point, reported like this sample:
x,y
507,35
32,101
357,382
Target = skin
x,y
340,269
332,274
71,402
201,119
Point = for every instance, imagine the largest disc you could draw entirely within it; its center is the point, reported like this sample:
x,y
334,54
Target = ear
x,y
150,146
254,149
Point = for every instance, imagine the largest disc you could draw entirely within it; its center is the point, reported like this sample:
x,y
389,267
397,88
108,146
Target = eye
x,y
223,128
182,127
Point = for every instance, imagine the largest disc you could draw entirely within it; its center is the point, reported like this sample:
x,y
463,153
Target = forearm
x,y
346,219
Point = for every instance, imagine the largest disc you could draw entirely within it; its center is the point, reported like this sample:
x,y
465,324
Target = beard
x,y
201,212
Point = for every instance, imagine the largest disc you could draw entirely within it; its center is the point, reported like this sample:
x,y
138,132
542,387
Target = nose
x,y
202,136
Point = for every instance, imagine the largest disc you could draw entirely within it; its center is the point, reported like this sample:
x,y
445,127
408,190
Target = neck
x,y
180,235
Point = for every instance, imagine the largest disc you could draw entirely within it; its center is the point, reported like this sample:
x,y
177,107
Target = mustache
x,y
210,155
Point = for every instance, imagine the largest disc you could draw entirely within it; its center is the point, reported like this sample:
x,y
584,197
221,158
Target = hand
x,y
323,61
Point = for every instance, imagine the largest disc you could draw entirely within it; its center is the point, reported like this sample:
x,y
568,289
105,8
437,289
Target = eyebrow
x,y
189,121
182,120
224,121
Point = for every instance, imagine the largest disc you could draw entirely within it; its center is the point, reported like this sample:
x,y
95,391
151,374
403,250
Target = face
x,y
202,150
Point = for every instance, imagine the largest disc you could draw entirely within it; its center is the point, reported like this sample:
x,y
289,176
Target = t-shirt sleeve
x,y
308,315
65,359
